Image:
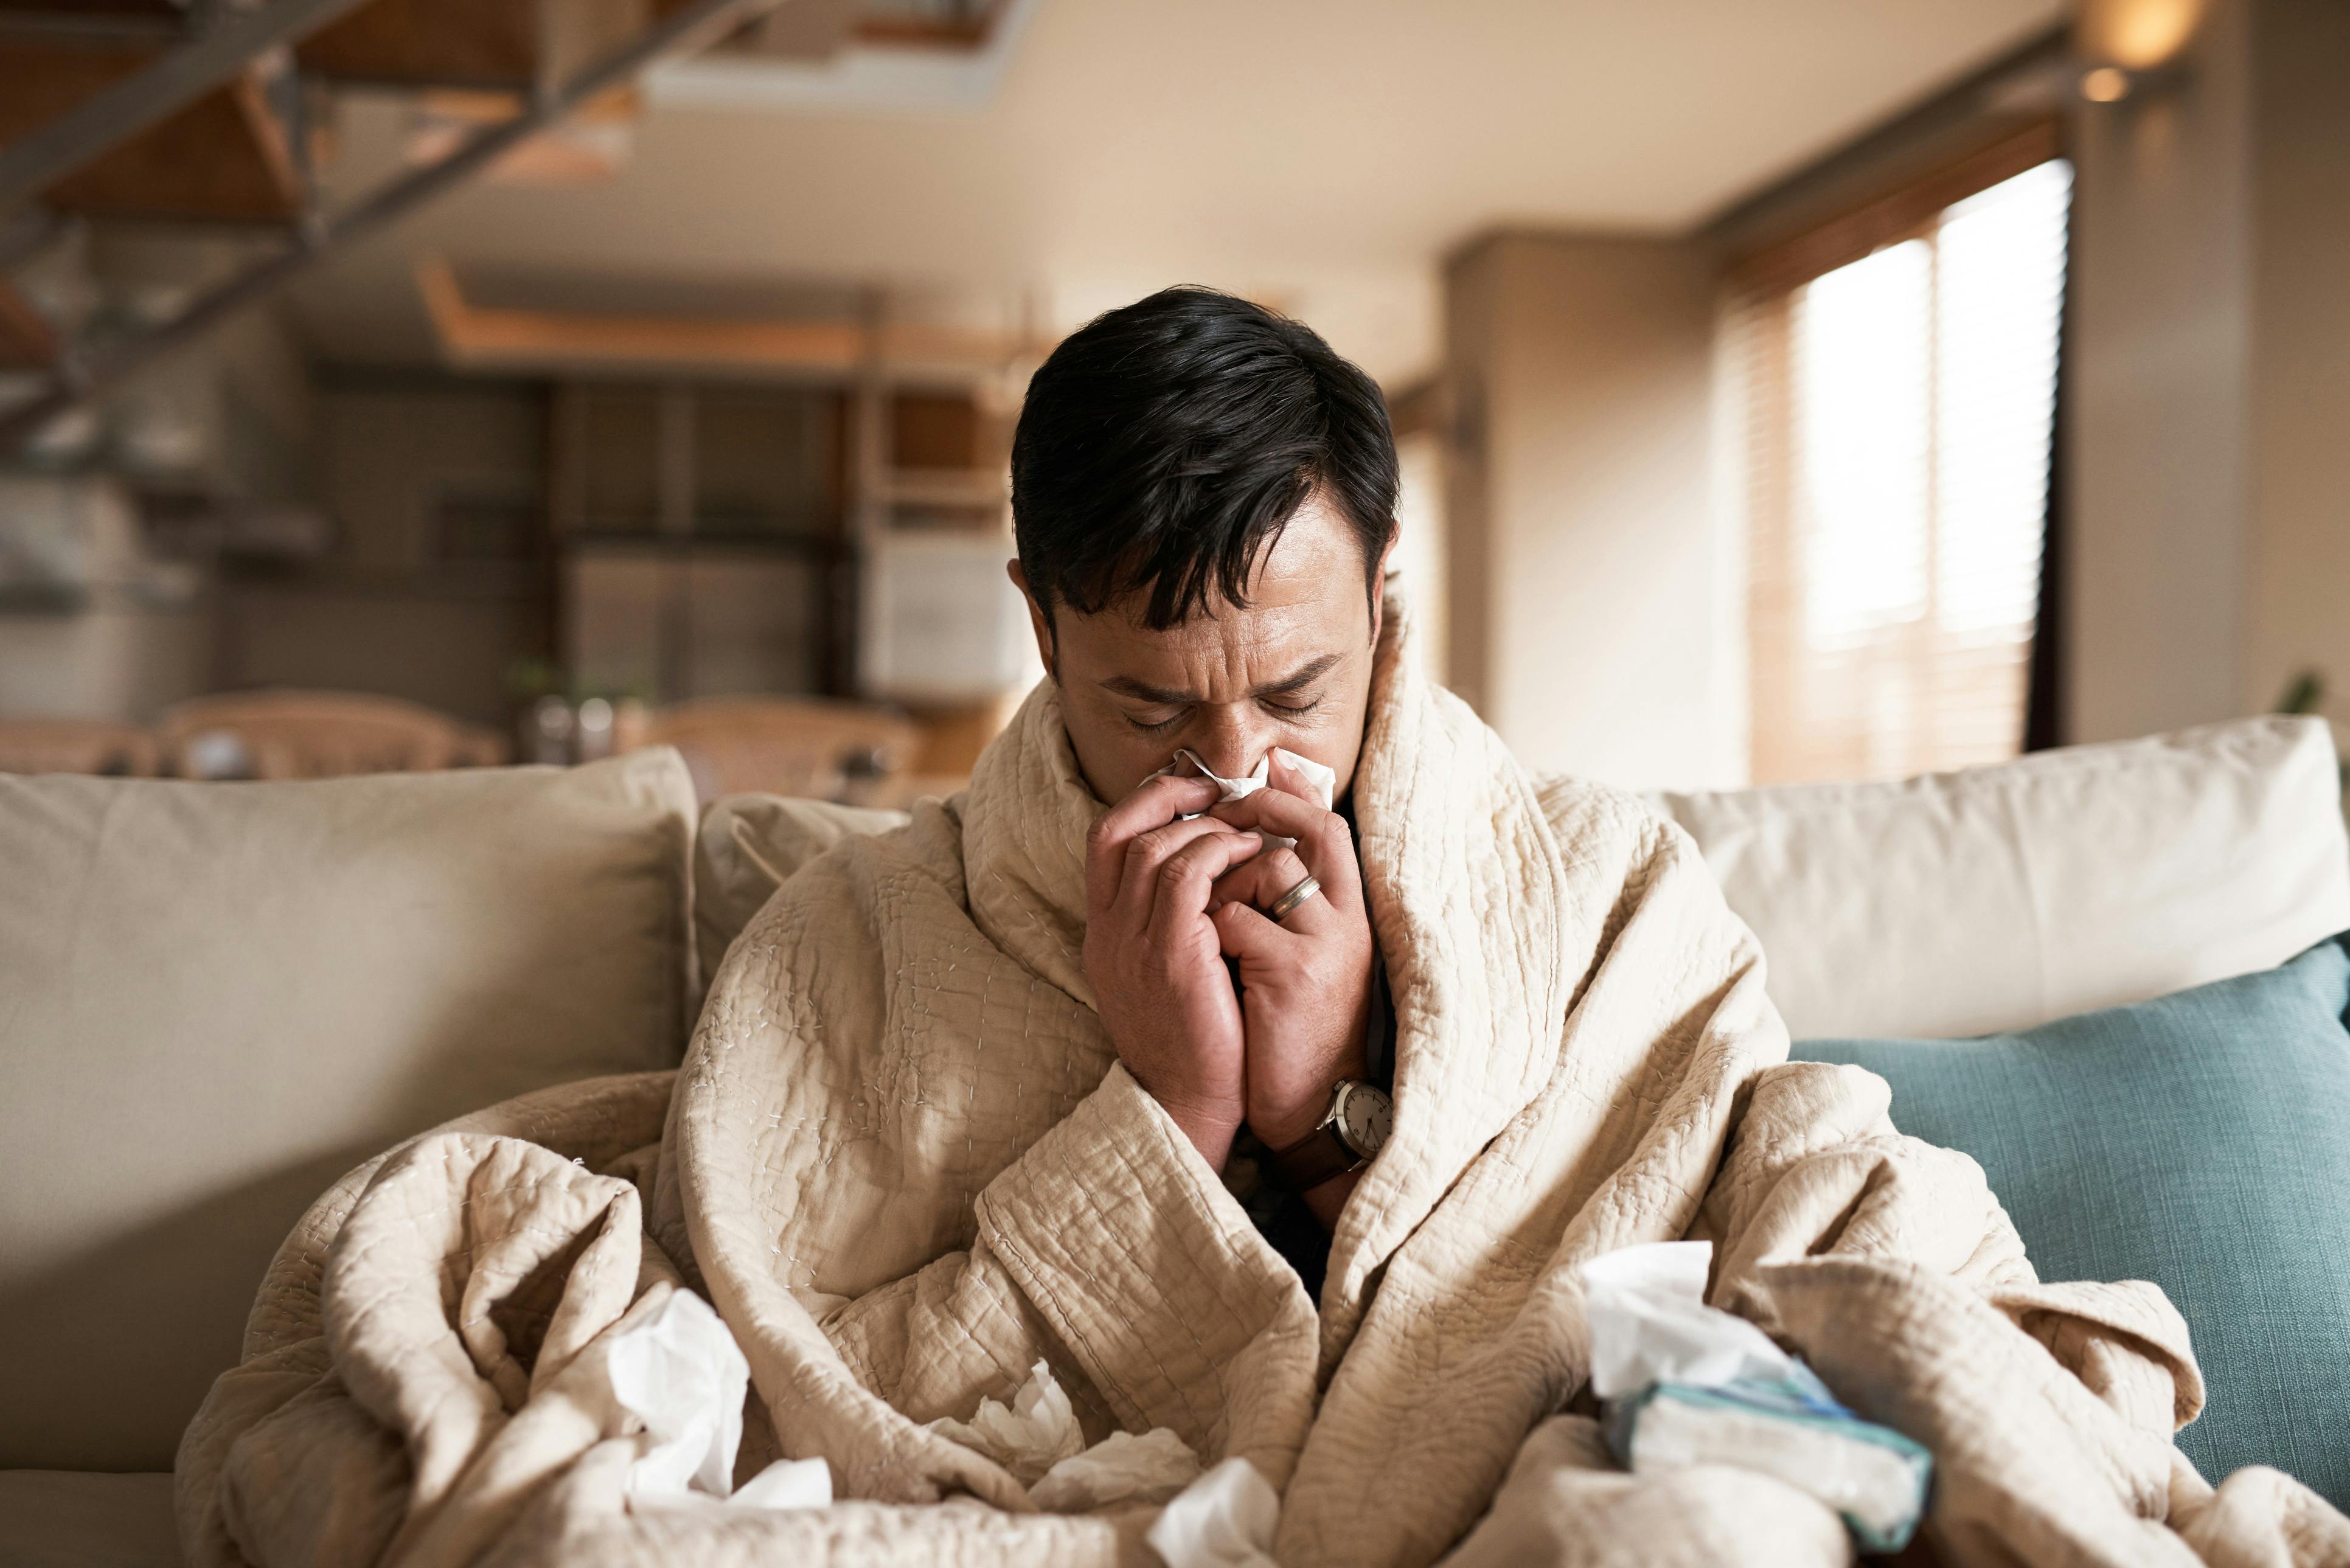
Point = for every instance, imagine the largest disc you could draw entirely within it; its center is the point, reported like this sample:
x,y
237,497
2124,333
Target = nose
x,y
1232,737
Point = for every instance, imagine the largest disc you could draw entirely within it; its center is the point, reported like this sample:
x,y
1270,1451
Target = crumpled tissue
x,y
1037,1439
680,1373
1324,782
1028,1437
1686,1384
1649,1324
1223,1520
1121,1468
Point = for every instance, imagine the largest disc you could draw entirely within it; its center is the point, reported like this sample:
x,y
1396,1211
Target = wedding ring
x,y
1290,900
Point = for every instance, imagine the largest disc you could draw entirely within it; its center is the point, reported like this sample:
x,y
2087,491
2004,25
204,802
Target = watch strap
x,y
1312,1160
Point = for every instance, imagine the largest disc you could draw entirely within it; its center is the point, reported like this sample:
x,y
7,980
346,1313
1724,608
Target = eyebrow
x,y
1143,692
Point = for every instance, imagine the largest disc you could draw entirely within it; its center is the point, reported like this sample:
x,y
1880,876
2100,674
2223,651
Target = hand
x,y
1154,960
1305,981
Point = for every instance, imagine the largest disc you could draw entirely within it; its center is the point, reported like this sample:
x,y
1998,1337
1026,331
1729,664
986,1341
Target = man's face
x,y
1293,669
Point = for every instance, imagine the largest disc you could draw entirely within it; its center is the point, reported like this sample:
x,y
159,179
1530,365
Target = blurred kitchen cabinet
x,y
610,469
613,607
755,623
702,537
726,538
766,463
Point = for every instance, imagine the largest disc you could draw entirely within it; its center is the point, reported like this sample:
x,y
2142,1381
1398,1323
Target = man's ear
x,y
1040,620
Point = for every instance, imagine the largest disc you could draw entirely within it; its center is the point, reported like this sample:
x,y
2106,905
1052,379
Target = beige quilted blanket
x,y
902,1162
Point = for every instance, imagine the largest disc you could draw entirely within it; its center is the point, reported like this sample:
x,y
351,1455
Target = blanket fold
x,y
902,1162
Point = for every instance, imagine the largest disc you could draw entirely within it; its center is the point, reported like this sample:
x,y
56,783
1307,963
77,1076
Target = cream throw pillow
x,y
217,998
2003,897
748,845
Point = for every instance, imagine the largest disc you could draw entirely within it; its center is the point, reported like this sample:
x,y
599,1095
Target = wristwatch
x,y
1348,1137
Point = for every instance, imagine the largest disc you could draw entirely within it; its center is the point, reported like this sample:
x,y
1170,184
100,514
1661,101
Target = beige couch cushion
x,y
216,999
66,1519
2002,898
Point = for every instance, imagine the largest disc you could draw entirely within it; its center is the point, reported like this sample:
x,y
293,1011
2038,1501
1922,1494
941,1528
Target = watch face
x,y
1364,1117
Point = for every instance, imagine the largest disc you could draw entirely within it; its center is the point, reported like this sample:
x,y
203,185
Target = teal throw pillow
x,y
2201,1141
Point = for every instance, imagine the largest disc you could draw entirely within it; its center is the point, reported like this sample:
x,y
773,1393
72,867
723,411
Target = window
x,y
1898,411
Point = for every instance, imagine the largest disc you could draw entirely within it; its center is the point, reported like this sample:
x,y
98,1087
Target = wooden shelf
x,y
948,489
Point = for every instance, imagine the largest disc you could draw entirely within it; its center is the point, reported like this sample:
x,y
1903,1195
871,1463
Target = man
x,y
960,1151
1202,550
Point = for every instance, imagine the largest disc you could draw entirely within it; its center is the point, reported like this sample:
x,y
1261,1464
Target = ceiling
x,y
1323,154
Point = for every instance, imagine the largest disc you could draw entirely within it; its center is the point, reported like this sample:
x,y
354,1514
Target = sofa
x,y
216,998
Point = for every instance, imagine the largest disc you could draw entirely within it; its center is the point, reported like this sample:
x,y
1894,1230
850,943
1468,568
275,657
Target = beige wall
x,y
2297,610
2208,439
1587,576
2157,428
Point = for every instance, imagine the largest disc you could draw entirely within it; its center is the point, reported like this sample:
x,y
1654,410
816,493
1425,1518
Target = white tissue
x,y
680,1373
1036,1431
1649,1324
1121,1468
1223,1520
788,1483
1037,1439
1322,781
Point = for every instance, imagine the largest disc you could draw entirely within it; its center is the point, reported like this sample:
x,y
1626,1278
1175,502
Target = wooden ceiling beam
x,y
500,338
507,45
224,157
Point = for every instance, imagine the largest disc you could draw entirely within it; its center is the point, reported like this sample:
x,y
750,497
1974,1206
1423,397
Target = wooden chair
x,y
782,745
77,746
317,734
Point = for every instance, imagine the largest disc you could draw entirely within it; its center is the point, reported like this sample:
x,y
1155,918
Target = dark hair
x,y
1169,443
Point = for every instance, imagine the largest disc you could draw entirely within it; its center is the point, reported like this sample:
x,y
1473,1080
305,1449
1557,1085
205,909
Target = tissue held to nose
x,y
1322,781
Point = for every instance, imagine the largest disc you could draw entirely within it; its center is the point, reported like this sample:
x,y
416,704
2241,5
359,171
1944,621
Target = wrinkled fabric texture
x,y
903,1164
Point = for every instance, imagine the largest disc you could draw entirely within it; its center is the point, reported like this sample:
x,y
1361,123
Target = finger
x,y
1323,841
1260,883
1244,933
1262,879
1290,778
1147,853
1189,875
1155,803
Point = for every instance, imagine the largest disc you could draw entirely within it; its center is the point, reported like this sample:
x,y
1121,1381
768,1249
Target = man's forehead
x,y
1309,572
1305,603
1262,644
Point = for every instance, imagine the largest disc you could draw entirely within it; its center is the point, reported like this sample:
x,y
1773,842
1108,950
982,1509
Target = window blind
x,y
1897,408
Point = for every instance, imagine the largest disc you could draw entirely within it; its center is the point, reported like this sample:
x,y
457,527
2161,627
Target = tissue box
x,y
1791,1427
